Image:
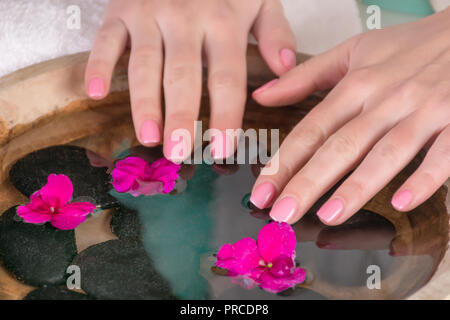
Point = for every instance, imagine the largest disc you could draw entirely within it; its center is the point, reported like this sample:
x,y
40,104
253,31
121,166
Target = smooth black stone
x,y
30,173
35,254
126,224
118,269
55,293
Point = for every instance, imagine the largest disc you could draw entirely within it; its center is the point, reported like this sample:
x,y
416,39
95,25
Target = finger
x,y
318,73
337,156
386,159
227,90
304,140
145,77
428,178
109,45
276,41
182,89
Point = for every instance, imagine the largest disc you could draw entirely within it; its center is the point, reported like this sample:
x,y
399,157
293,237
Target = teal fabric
x,y
177,231
417,7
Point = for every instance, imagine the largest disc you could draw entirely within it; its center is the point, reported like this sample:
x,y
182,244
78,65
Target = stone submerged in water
x,y
55,293
37,255
117,269
126,224
89,183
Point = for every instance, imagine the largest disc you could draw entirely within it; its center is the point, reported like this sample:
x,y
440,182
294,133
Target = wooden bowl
x,y
45,105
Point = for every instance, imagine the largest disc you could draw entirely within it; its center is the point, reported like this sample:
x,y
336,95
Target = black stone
x,y
55,293
118,269
126,224
31,172
35,254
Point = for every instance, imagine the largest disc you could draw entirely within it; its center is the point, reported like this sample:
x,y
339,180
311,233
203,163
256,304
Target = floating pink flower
x,y
51,203
137,176
269,261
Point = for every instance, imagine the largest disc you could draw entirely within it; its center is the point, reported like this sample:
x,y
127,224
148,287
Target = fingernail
x,y
175,149
150,132
221,147
284,209
288,58
330,210
402,199
96,88
263,195
264,87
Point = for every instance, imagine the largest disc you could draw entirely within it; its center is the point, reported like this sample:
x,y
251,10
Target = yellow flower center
x,y
269,265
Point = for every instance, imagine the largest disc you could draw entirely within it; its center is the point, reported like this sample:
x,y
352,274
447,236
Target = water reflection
x,y
181,232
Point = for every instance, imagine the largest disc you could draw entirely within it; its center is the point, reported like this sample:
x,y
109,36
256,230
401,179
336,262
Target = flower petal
x,y
134,166
273,284
72,215
32,216
58,190
122,181
239,258
275,239
166,172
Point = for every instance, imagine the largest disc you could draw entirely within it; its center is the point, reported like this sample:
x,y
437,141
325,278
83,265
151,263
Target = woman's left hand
x,y
391,98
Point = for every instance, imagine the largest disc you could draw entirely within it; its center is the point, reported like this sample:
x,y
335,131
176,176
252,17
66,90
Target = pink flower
x,y
269,261
51,203
137,176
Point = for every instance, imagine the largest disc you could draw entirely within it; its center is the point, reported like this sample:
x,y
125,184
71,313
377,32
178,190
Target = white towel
x,y
35,31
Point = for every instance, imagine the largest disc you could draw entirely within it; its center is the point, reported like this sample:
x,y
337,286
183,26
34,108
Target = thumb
x,y
276,41
320,72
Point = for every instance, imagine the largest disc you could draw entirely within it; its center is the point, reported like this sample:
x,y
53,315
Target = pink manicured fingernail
x,y
402,199
284,209
330,210
288,58
96,88
264,87
263,195
221,147
150,132
175,149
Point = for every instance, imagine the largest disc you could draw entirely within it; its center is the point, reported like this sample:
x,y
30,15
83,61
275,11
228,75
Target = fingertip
x,y
96,88
288,59
149,133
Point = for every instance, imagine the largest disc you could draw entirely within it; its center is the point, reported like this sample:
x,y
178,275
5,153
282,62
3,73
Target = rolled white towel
x,y
35,31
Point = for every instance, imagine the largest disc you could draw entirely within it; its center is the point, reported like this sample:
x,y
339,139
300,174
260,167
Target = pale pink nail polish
x,y
264,87
150,132
96,88
263,195
221,146
284,209
330,210
288,58
402,199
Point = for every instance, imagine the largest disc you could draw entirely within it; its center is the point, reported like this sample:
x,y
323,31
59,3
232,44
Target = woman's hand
x,y
168,39
391,98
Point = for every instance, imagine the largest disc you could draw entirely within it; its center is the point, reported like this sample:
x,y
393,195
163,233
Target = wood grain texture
x,y
45,105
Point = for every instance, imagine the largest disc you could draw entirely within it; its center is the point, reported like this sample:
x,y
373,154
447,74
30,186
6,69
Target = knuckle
x,y
309,135
225,79
386,151
343,146
144,55
181,73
